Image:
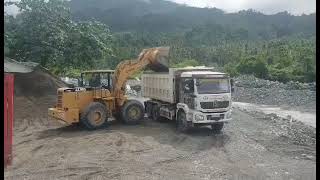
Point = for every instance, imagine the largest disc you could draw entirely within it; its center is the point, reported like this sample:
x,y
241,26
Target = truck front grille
x,y
209,117
214,104
59,102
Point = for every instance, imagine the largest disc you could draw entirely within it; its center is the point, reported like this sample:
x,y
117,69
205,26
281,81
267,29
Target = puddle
x,y
304,117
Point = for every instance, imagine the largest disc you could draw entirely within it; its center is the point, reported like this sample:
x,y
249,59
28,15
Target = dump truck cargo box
x,y
158,86
161,85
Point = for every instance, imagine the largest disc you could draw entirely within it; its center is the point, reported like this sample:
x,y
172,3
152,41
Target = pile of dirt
x,y
38,83
34,92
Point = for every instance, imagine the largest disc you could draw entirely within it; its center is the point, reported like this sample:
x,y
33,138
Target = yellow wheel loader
x,y
101,93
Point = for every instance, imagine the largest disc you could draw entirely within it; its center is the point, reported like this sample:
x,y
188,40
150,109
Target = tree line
x,y
45,32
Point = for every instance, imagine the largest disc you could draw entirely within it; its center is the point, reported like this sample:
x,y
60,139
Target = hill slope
x,y
165,16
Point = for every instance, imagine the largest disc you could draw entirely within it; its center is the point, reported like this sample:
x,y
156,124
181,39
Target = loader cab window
x,y
86,79
95,80
103,80
106,80
188,85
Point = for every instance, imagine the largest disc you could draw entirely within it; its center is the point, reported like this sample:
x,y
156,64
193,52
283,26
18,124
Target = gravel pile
x,y
253,90
292,129
249,81
34,93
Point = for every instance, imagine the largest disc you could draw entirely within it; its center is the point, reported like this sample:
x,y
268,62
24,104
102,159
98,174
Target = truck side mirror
x,y
232,85
80,83
188,86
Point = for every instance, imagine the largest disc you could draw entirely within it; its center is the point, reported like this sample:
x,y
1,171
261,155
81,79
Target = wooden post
x,y
8,117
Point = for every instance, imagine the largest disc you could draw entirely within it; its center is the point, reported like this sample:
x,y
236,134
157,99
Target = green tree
x,y
253,65
44,32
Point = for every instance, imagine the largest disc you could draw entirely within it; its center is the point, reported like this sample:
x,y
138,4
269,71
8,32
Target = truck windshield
x,y
212,86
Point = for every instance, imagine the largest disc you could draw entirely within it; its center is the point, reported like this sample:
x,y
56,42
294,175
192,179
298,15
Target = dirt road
x,y
250,147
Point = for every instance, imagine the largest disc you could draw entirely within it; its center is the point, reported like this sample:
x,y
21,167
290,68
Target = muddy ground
x,y
250,147
253,146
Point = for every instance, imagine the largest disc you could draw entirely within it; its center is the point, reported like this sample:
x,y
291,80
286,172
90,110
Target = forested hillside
x,y
278,47
166,16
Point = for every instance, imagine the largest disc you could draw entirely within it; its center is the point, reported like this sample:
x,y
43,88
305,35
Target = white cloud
x,y
12,9
296,7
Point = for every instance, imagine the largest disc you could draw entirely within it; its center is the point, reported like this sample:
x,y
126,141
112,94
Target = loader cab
x,y
96,79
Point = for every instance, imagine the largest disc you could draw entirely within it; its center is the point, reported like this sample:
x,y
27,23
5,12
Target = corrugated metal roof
x,y
12,66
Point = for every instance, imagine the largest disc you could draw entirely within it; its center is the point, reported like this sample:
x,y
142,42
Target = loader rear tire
x,y
132,112
94,116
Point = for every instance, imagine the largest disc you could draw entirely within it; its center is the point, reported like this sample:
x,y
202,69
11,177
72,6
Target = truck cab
x,y
205,98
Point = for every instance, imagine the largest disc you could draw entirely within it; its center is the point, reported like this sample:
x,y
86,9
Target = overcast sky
x,y
296,7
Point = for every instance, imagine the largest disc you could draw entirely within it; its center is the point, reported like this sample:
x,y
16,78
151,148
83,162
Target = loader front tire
x,y
132,112
94,116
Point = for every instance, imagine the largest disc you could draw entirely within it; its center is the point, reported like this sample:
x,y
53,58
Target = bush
x,y
253,65
282,75
186,62
231,69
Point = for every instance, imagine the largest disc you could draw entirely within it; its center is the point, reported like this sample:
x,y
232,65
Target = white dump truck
x,y
193,96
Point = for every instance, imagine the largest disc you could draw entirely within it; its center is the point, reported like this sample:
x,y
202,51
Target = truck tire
x,y
132,112
217,127
94,116
181,123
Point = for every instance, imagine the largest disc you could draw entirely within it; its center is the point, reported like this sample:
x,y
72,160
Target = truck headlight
x,y
199,117
228,115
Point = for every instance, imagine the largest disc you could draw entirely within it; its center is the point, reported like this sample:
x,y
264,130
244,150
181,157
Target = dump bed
x,y
158,86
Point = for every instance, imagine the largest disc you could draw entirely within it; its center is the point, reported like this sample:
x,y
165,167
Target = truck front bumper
x,y
209,118
68,116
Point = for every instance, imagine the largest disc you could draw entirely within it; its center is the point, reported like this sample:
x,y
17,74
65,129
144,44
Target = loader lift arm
x,y
153,57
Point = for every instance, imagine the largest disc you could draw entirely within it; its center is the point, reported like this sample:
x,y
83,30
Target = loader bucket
x,y
161,62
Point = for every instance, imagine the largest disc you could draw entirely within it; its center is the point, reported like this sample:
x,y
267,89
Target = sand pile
x,y
34,92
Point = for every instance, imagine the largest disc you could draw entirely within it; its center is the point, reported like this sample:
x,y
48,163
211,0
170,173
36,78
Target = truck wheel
x,y
155,113
181,123
94,116
217,127
132,112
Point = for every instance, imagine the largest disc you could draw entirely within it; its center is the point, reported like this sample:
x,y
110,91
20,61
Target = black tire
x,y
94,116
217,127
181,122
132,112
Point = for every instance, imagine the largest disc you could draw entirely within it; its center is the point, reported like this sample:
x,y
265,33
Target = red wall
x,y
8,118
